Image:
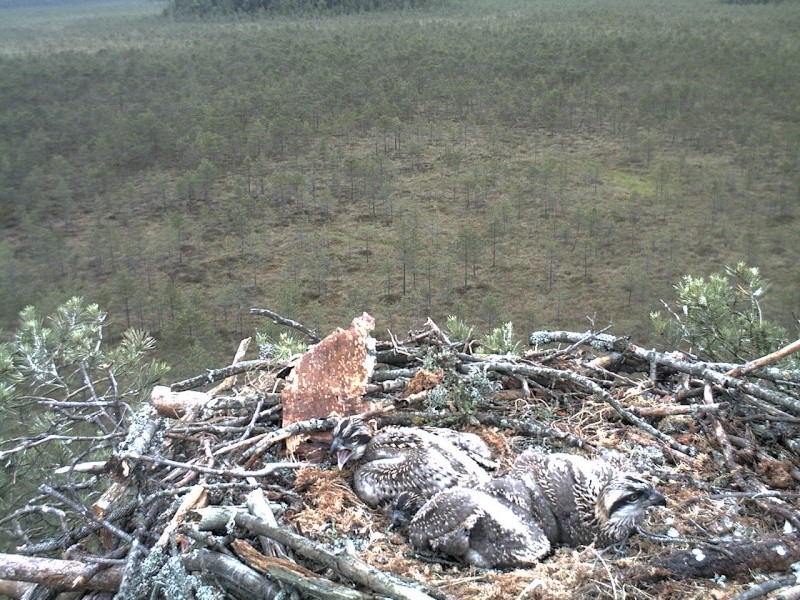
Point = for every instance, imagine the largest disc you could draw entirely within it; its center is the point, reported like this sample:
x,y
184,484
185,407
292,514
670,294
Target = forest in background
x,y
538,162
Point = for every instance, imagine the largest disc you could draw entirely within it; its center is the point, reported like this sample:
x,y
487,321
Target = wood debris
x,y
331,378
207,499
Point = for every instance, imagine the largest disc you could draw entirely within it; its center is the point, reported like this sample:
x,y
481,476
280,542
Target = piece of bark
x,y
331,378
58,574
423,380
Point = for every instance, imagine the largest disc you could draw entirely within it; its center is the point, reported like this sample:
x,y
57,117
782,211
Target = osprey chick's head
x,y
350,439
623,503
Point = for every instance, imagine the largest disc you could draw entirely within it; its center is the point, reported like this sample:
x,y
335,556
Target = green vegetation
x,y
721,318
66,396
503,160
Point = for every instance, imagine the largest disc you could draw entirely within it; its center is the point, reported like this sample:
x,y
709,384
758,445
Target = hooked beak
x,y
342,456
656,499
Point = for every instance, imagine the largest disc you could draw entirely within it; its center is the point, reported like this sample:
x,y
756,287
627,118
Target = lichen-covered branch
x,y
350,567
213,375
279,320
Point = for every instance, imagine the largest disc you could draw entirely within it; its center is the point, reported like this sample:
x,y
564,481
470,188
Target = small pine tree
x,y
66,396
501,340
720,318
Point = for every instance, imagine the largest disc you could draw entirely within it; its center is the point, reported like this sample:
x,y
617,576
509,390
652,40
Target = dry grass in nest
x,y
499,443
330,501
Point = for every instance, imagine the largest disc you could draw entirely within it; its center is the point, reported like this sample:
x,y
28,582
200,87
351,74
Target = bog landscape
x,y
543,163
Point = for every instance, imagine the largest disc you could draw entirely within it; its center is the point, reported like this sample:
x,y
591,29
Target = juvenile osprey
x,y
578,501
422,461
547,500
476,528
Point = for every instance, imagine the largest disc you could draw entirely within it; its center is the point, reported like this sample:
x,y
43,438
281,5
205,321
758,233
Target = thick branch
x,y
741,557
758,363
233,574
350,567
290,573
58,574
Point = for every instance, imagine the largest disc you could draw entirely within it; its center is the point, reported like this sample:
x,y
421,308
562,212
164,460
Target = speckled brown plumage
x,y
407,459
546,500
578,501
476,528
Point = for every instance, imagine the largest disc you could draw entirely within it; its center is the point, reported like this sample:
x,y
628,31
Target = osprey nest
x,y
233,493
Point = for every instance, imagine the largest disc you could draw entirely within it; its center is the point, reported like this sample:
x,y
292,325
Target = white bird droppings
x,y
698,555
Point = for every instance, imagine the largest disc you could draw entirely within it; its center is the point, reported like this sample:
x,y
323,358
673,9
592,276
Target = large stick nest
x,y
206,501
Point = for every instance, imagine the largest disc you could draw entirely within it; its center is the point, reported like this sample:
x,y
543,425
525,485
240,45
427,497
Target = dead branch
x,y
267,470
350,567
585,339
235,576
213,375
732,559
770,585
759,363
279,320
259,507
290,573
791,593
667,410
58,574
237,358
